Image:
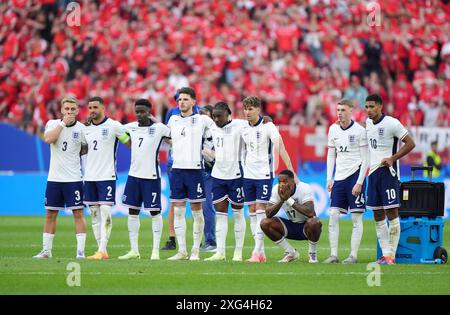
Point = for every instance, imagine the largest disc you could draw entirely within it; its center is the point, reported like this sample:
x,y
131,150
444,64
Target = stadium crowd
x,y
299,57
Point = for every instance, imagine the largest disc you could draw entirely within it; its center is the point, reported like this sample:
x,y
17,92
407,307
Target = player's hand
x,y
283,192
388,162
267,119
356,190
329,185
88,122
69,119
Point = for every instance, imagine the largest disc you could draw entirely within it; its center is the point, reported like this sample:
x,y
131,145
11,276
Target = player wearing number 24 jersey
x,y
383,135
64,186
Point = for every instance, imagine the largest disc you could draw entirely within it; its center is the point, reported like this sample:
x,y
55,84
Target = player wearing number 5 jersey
x,y
347,148
187,131
64,186
144,179
383,134
102,135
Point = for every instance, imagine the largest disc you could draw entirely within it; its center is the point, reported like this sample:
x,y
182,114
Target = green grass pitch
x,y
20,239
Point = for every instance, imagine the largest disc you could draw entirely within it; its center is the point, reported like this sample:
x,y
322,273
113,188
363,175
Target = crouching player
x,y
302,223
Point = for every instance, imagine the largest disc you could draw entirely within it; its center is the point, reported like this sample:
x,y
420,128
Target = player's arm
x,y
122,135
273,208
331,161
84,149
306,208
364,152
281,149
405,149
52,135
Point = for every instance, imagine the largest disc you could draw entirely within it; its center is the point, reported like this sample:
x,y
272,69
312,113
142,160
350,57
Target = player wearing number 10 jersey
x,y
383,134
64,185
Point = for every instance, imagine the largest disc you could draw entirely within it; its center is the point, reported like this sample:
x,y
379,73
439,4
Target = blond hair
x,y
347,102
252,101
69,100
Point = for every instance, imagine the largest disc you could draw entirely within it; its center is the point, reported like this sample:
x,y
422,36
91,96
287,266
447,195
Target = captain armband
x,y
124,138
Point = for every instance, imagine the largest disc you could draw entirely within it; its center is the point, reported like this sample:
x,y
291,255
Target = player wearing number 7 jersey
x,y
64,185
383,134
144,179
347,140
102,135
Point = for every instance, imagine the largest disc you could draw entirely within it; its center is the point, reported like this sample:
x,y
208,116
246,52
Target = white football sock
x,y
259,237
383,236
179,224
333,231
239,228
96,218
394,236
199,225
284,244
133,231
47,240
105,226
312,247
357,232
157,227
81,241
221,231
253,224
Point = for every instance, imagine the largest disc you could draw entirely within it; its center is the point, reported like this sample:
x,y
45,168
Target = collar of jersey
x,y
259,121
151,123
193,113
382,117
104,119
68,126
348,127
228,122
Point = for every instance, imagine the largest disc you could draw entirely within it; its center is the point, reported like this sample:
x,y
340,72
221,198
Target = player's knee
x,y
265,224
379,215
133,212
313,229
77,214
155,213
51,214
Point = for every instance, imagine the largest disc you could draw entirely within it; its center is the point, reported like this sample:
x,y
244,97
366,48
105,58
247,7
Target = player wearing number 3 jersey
x,y
64,185
383,135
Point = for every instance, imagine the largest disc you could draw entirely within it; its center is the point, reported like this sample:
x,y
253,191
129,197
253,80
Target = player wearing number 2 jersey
x,y
102,136
64,185
383,134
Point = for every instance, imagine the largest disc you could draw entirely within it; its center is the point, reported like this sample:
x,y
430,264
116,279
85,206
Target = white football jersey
x,y
145,143
383,138
102,147
347,143
303,194
227,146
187,136
258,139
65,162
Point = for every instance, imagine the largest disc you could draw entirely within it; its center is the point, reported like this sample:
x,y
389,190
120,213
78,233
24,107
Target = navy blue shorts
x,y
231,189
383,190
100,193
141,190
60,195
187,184
293,231
257,190
342,198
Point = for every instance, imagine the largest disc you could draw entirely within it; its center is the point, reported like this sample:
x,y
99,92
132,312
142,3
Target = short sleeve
x,y
273,131
363,138
119,129
274,197
207,122
306,193
50,125
331,143
399,131
165,131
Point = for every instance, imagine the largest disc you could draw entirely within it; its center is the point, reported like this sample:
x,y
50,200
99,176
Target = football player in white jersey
x,y
144,178
259,141
102,136
64,185
301,224
383,134
227,186
186,131
347,149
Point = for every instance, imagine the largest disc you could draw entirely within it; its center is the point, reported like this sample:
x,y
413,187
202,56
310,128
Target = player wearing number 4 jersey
x,y
144,179
64,185
259,140
187,130
102,135
348,141
383,134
